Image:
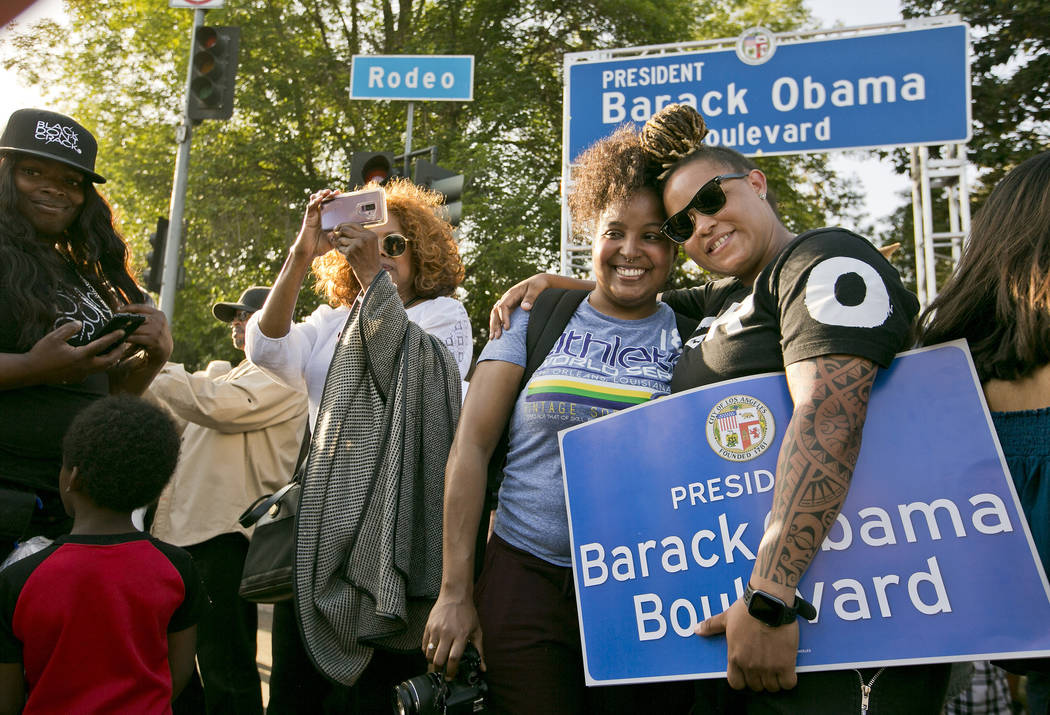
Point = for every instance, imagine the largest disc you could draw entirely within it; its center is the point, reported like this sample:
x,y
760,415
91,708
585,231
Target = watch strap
x,y
801,607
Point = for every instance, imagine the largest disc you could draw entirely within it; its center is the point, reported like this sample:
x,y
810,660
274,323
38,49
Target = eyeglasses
x,y
243,315
394,244
708,200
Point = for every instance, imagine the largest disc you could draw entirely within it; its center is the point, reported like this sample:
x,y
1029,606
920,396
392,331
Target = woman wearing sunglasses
x,y
825,307
391,346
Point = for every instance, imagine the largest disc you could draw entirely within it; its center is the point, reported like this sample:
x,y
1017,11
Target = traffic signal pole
x,y
183,136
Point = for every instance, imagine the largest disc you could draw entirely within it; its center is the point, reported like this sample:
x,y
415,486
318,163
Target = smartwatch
x,y
772,611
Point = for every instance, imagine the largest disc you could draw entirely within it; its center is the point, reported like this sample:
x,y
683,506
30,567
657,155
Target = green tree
x,y
121,69
1011,77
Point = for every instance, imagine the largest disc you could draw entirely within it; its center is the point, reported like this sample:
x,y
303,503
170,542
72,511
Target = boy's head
x,y
123,450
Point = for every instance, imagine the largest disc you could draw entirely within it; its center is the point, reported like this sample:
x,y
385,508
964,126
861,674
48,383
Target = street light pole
x,y
183,136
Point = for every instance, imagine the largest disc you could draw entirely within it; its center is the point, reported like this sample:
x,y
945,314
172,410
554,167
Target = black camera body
x,y
431,694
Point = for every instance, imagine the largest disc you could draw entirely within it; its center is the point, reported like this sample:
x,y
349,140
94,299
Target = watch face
x,y
766,608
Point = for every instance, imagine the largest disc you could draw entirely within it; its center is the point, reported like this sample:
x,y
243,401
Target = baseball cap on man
x,y
251,300
52,136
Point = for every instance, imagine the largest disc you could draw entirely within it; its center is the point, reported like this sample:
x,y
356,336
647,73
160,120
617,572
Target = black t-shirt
x,y
828,292
34,419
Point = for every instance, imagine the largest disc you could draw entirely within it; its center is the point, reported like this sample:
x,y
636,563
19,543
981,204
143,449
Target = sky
x,y
879,185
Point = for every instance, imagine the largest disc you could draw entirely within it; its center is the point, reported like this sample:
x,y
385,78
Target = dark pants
x,y
226,632
527,608
297,687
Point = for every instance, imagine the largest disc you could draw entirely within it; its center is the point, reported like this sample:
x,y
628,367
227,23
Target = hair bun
x,y
673,133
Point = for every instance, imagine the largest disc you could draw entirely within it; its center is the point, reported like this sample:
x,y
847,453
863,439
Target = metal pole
x,y
408,135
927,226
916,219
183,136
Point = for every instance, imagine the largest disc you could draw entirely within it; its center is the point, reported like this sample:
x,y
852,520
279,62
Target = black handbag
x,y
267,574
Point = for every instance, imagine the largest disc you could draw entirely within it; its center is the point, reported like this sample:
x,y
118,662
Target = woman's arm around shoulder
x,y
524,294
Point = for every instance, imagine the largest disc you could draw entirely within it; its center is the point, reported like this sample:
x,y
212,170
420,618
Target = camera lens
x,y
417,696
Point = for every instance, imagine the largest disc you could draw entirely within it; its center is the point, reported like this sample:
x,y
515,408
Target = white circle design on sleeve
x,y
847,292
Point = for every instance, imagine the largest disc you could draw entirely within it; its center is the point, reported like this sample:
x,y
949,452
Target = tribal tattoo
x,y
816,461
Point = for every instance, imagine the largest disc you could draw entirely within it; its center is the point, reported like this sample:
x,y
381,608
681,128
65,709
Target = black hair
x,y
999,296
124,449
31,270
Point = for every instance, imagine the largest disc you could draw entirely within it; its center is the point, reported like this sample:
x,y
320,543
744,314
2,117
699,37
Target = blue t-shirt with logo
x,y
599,365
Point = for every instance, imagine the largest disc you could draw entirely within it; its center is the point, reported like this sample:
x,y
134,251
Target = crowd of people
x,y
405,555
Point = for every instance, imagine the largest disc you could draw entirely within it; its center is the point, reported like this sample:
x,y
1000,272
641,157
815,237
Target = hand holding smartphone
x,y
366,207
128,322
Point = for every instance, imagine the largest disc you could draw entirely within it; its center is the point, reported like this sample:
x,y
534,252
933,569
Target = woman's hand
x,y
453,622
154,335
52,360
312,241
524,294
361,248
136,371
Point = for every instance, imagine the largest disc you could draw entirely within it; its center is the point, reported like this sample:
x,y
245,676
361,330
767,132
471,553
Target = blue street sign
x,y
890,89
412,77
667,503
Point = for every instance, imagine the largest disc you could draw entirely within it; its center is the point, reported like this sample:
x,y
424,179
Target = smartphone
x,y
128,322
366,207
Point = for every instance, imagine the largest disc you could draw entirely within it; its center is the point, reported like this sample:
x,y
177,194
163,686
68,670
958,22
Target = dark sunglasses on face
x,y
708,200
394,244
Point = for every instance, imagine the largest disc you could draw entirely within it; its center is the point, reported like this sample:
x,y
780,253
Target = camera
x,y
431,693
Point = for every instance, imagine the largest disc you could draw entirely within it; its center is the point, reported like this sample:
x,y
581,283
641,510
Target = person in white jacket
x,y
414,252
241,437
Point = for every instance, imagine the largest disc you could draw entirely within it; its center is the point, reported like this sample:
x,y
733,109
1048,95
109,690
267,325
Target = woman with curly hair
x,y
63,274
521,617
391,347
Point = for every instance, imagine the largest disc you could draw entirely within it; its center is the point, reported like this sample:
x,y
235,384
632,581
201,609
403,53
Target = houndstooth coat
x,y
368,533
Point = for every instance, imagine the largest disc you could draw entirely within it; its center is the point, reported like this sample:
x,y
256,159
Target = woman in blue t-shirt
x,y
523,621
999,300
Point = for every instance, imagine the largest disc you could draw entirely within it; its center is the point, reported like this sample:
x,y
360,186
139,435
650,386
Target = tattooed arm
x,y
814,469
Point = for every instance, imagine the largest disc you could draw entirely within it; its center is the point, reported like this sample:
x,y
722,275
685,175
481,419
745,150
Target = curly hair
x,y
674,138
31,270
999,296
435,256
124,449
609,172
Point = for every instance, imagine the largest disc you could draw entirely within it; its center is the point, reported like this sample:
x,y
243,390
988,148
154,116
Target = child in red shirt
x,y
104,619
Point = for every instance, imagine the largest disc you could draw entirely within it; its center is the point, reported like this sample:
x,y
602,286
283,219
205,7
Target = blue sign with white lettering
x,y
413,77
894,88
667,503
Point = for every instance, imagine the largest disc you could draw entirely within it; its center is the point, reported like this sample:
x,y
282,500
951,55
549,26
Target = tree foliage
x,y
1010,74
120,68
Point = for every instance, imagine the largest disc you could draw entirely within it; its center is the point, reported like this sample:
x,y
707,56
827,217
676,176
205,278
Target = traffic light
x,y
445,182
213,73
155,257
377,166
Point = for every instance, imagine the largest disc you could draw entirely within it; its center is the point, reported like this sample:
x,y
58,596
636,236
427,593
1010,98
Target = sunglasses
x,y
708,200
243,315
394,244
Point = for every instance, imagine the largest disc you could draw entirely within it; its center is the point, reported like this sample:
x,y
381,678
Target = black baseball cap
x,y
251,300
51,135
